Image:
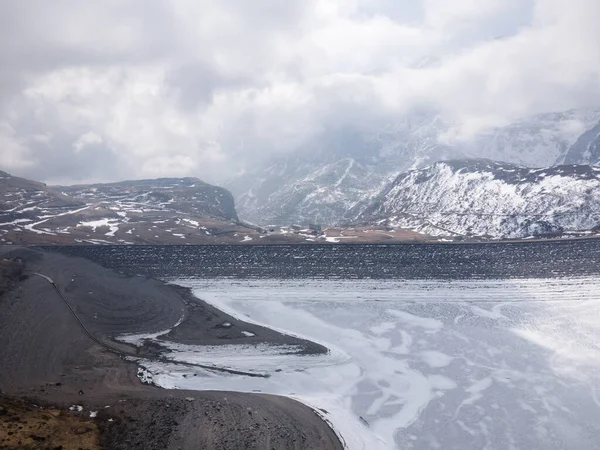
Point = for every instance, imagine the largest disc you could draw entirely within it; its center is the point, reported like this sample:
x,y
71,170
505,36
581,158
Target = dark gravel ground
x,y
47,357
214,420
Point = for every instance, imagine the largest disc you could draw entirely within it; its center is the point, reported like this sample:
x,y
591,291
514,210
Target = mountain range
x,y
166,210
338,180
491,199
179,211
530,178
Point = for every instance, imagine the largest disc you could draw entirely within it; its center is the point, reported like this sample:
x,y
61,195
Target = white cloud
x,y
13,151
87,141
443,14
204,88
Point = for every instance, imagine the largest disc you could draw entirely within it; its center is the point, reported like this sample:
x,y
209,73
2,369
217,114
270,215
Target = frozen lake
x,y
420,364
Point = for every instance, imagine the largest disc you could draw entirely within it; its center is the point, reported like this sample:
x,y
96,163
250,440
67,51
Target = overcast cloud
x,y
99,91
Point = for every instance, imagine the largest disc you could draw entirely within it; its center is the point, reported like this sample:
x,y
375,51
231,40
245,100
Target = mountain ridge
x,y
167,210
490,199
305,186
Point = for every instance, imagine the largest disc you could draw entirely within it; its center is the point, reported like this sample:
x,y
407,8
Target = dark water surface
x,y
402,261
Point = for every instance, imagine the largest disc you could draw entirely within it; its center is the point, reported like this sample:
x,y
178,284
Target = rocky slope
x,y
20,196
169,210
587,148
163,211
334,179
342,171
491,199
187,195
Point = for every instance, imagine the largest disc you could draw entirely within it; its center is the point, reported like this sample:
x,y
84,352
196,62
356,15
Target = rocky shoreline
x,y
48,359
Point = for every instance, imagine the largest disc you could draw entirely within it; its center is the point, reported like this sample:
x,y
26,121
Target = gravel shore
x,y
48,357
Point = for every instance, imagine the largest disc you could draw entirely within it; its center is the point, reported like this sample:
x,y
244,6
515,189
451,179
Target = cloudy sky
x,y
113,89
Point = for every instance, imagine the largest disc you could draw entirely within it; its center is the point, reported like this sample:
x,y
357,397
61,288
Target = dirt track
x,y
45,355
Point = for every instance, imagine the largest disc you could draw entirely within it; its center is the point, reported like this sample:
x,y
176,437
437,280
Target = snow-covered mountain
x,y
303,191
587,148
334,179
19,196
168,210
161,211
487,198
188,195
328,180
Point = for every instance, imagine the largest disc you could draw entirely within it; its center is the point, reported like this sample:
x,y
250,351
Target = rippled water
x,y
403,261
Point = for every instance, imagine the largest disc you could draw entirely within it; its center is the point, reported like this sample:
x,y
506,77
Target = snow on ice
x,y
458,365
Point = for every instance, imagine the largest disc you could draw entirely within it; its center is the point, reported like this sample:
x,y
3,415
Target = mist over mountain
x,y
334,181
306,110
106,91
587,148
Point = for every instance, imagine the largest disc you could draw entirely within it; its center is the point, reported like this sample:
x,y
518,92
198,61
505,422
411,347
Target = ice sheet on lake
x,y
422,364
138,339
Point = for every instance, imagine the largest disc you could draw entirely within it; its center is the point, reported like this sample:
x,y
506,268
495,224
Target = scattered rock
x,y
78,431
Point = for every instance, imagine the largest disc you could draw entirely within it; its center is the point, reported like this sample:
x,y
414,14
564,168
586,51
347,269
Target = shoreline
x,y
65,367
410,242
411,341
351,430
352,236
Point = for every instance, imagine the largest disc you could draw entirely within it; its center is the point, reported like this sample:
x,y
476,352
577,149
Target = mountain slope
x,y
19,196
334,179
487,198
329,179
163,211
169,210
189,195
587,148
310,192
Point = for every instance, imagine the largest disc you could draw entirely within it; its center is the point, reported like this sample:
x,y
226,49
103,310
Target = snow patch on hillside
x,y
484,198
